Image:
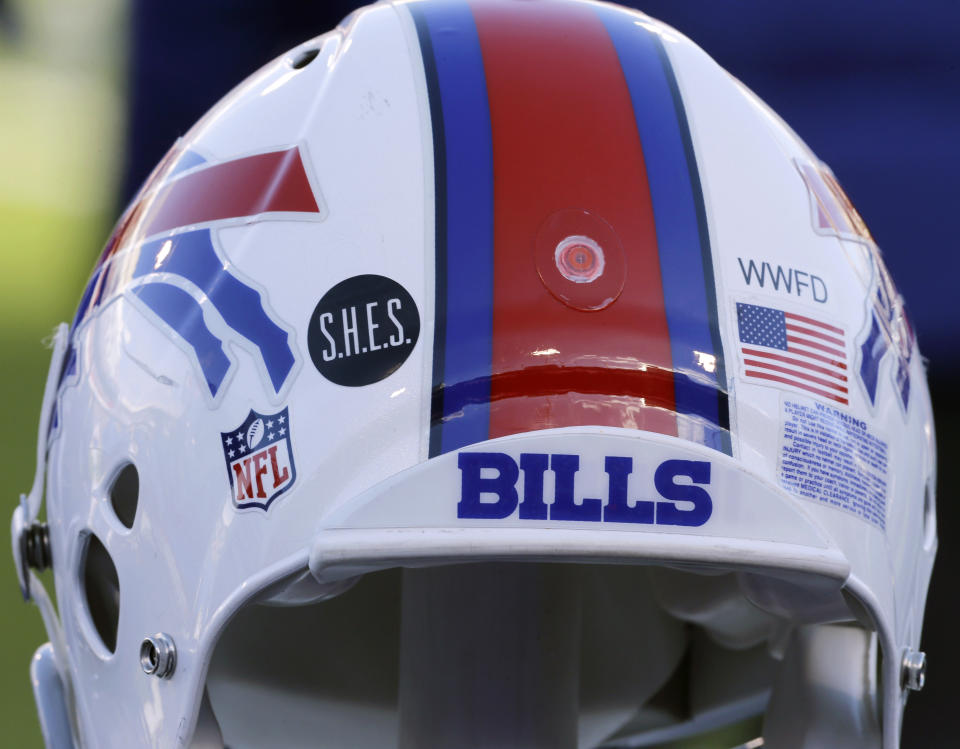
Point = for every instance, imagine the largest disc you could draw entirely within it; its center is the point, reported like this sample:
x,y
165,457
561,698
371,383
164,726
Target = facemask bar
x,y
30,542
31,549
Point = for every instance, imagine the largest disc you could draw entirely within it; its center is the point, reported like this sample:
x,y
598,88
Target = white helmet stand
x,y
515,629
821,697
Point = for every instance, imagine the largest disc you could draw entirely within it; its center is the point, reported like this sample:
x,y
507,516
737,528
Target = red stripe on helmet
x,y
552,78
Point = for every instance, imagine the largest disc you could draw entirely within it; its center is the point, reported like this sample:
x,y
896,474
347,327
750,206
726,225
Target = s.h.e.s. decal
x,y
490,488
259,459
363,330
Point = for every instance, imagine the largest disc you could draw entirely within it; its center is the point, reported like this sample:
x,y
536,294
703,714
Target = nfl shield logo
x,y
259,459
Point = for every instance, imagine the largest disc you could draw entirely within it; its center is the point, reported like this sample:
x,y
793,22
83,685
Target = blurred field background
x,y
60,127
874,88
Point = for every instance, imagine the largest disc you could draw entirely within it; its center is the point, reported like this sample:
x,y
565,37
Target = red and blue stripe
x,y
536,108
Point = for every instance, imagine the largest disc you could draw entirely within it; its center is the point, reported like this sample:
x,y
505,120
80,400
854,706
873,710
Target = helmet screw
x,y
35,546
158,656
914,670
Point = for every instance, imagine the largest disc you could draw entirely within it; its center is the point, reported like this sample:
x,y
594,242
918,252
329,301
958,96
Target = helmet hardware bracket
x,y
914,670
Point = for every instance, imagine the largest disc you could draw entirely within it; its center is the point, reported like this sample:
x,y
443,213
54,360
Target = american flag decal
x,y
795,350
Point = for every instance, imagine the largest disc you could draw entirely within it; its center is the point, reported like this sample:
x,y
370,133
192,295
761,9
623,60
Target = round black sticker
x,y
362,330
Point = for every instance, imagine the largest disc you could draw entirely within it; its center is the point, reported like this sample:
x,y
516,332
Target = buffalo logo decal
x,y
165,257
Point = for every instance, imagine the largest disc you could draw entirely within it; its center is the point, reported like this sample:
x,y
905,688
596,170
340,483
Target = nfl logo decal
x,y
259,459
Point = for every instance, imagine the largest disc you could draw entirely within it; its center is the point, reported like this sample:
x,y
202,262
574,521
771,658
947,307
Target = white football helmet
x,y
484,373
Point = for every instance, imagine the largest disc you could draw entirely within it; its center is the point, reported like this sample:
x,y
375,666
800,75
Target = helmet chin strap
x,y
489,657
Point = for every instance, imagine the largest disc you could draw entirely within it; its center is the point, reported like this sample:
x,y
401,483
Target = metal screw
x,y
158,656
914,670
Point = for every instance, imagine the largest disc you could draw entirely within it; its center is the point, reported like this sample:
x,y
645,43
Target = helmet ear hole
x,y
101,589
124,494
304,58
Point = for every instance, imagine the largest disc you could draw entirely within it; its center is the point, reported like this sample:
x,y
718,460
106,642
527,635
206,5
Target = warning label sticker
x,y
829,456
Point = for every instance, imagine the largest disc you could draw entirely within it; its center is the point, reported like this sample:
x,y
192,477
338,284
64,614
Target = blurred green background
x,y
60,128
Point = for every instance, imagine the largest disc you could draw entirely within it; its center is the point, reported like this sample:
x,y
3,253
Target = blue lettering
x,y
565,506
496,496
473,485
617,509
533,506
698,471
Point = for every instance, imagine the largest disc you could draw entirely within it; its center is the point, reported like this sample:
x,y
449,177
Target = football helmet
x,y
484,373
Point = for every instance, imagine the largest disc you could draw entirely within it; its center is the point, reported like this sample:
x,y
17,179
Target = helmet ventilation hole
x,y
101,589
124,494
304,58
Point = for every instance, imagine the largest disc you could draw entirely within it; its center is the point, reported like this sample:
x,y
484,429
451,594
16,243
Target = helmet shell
x,y
447,227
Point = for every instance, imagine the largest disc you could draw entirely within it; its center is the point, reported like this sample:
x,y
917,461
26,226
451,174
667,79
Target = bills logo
x,y
491,488
888,331
889,335
259,459
164,256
